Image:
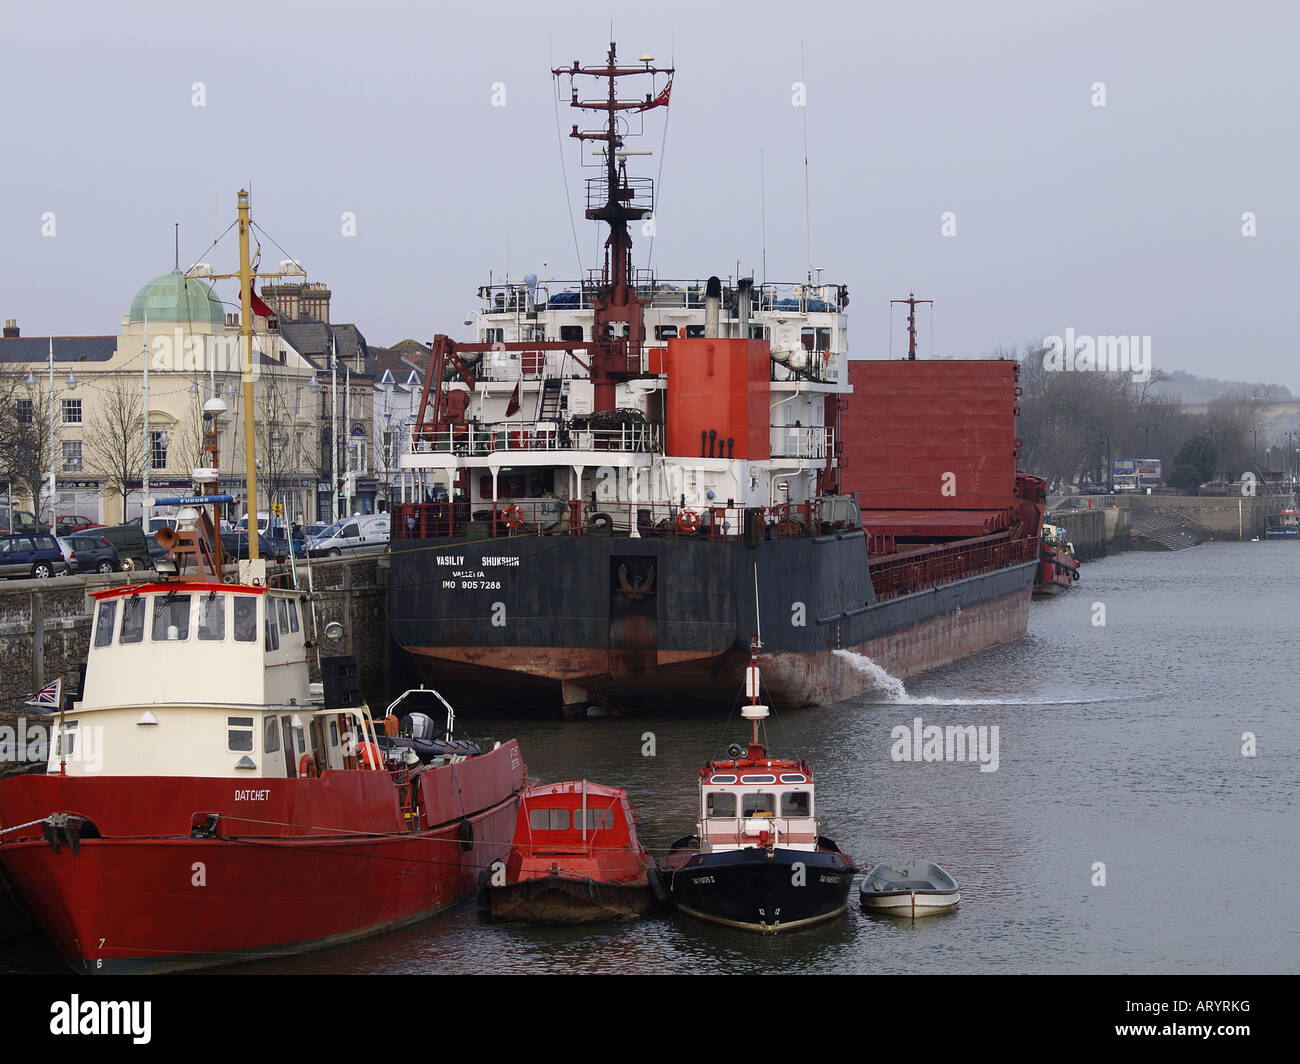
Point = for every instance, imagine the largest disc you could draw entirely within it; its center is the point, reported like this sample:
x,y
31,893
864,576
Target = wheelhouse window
x,y
796,803
171,618
239,734
212,617
665,332
105,615
272,740
571,332
282,609
596,820
132,620
293,616
548,819
245,619
761,804
719,803
272,639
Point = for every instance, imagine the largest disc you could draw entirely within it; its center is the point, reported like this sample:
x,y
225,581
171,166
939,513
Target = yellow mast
x,y
246,366
246,276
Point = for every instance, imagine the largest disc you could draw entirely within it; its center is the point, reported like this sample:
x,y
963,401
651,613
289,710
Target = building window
x,y
357,454
158,440
390,447
72,456
24,411
72,411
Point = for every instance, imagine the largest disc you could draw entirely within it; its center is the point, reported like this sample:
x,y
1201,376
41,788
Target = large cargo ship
x,y
623,479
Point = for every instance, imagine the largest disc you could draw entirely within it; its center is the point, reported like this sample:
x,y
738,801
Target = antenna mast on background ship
x,y
911,302
615,199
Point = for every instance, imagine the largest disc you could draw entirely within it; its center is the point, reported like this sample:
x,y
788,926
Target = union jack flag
x,y
48,696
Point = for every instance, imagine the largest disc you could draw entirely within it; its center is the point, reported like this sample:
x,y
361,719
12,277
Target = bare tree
x,y
114,444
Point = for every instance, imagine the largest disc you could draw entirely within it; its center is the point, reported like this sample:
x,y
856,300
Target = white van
x,y
363,532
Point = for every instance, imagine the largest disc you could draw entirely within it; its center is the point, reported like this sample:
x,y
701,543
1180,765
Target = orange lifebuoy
x,y
688,521
307,767
513,516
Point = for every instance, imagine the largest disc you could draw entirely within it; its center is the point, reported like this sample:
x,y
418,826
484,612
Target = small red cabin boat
x,y
575,859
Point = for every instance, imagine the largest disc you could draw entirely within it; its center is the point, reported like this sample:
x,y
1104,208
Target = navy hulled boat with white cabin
x,y
758,860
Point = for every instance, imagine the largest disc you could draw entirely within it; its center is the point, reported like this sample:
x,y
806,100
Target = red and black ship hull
x,y
559,622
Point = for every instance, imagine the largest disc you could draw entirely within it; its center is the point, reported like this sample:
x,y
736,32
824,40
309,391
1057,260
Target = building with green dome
x,y
190,340
173,297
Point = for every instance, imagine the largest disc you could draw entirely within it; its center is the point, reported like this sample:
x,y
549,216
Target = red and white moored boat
x,y
203,805
576,858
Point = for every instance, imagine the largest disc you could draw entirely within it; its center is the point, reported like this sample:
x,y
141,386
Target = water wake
x,y
895,693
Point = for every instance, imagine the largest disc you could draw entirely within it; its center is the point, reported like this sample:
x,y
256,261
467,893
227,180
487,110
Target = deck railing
x,y
575,517
550,435
932,568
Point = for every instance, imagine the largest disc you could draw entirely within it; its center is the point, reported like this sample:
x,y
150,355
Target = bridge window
x,y
548,819
212,617
597,819
106,615
720,803
272,633
245,619
132,620
665,332
796,803
571,333
171,618
239,737
272,734
762,804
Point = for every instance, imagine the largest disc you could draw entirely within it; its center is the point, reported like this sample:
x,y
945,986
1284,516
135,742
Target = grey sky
x,y
1117,219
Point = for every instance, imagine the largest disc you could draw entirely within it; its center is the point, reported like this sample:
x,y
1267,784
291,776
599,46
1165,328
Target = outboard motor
x,y
422,727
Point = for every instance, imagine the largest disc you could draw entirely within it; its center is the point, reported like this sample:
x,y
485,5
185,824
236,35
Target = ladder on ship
x,y
551,400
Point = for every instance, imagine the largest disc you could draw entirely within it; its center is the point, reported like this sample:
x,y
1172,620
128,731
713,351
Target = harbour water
x,y
1118,744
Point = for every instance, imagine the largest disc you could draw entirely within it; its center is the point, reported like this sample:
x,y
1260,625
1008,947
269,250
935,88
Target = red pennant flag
x,y
659,101
512,407
260,307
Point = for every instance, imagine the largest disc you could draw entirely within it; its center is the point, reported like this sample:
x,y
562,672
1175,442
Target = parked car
x,y
156,523
133,548
69,555
367,532
94,554
20,521
38,556
235,545
67,524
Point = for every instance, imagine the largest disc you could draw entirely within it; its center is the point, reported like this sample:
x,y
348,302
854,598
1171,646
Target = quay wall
x,y
1086,529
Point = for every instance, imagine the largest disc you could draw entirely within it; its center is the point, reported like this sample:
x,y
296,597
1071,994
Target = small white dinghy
x,y
920,888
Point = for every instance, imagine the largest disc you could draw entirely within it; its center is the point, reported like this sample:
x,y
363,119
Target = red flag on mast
x,y
659,101
512,407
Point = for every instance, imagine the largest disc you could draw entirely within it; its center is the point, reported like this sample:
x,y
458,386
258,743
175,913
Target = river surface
x,y
1118,745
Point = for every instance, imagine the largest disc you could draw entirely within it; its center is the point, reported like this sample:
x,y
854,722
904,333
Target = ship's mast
x,y
246,276
911,302
616,200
